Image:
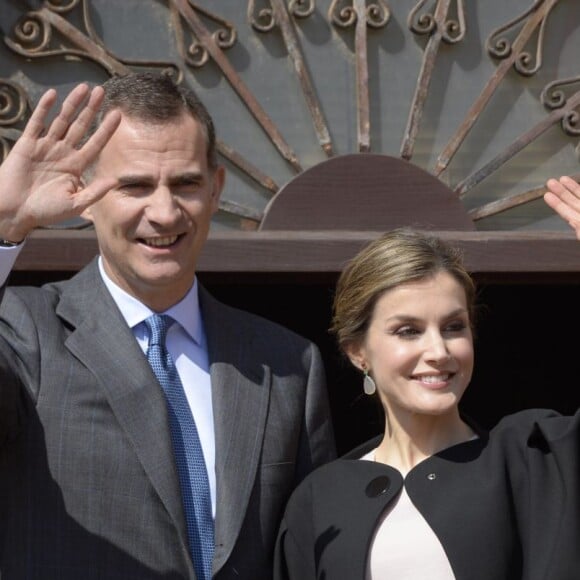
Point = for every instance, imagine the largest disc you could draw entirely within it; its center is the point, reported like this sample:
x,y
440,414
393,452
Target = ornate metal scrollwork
x,y
278,14
422,23
378,14
499,46
439,26
261,19
14,109
14,103
512,54
264,19
49,31
62,6
571,123
301,8
195,54
185,9
33,38
344,15
360,15
554,97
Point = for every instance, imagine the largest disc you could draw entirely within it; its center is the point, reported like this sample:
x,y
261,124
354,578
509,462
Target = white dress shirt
x,y
187,345
186,342
7,258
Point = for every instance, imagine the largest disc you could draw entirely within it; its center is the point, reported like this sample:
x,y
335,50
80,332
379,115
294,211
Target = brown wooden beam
x,y
324,252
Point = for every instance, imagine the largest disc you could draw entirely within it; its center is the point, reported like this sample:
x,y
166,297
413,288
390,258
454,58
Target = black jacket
x,y
505,506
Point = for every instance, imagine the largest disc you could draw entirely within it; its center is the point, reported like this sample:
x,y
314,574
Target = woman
x,y
433,497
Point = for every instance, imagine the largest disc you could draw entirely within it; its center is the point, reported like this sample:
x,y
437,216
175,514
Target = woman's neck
x,y
410,439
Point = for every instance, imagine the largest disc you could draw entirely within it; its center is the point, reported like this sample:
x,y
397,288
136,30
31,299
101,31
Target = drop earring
x,y
369,385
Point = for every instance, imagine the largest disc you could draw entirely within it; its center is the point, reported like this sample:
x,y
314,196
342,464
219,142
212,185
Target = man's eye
x,y
133,186
188,185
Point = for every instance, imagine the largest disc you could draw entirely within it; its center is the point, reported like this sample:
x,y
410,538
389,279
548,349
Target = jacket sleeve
x,y
317,444
552,535
11,365
540,451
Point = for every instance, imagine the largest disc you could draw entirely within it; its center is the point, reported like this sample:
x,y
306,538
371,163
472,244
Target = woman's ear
x,y
356,354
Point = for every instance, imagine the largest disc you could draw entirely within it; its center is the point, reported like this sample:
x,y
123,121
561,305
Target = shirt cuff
x,y
8,258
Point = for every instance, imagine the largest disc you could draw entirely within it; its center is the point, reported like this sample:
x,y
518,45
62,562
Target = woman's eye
x,y
406,332
458,326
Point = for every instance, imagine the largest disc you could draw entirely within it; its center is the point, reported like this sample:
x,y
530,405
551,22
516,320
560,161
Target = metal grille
x,y
484,95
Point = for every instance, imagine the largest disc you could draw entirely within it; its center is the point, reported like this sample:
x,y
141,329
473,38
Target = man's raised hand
x,y
41,179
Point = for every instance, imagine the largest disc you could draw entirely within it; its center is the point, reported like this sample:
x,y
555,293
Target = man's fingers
x,y
93,192
62,122
79,128
100,138
35,126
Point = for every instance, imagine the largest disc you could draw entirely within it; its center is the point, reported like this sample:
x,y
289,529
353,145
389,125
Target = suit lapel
x,y
103,342
240,395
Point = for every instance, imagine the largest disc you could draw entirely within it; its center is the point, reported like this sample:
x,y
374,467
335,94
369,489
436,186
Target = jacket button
x,y
378,486
432,476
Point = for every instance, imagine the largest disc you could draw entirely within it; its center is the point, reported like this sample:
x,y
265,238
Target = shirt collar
x,y
186,312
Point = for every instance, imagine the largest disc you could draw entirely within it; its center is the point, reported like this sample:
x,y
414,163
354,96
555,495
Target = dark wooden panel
x,y
365,192
321,251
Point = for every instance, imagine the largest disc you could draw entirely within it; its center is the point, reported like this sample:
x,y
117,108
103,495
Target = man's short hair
x,y
157,99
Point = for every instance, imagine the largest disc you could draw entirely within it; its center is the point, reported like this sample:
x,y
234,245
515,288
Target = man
x,y
97,478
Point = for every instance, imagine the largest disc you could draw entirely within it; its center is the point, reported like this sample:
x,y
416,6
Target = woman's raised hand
x,y
563,196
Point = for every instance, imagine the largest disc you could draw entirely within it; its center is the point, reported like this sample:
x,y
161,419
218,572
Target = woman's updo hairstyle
x,y
398,257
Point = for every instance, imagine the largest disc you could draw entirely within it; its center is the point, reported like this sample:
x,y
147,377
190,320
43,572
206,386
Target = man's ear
x,y
219,180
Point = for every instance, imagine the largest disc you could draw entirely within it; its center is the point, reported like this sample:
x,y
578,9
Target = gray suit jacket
x,y
88,485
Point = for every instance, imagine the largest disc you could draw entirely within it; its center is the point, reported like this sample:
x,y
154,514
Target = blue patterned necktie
x,y
186,447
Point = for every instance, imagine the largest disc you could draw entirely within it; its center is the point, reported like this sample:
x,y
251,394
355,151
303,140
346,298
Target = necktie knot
x,y
157,325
